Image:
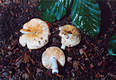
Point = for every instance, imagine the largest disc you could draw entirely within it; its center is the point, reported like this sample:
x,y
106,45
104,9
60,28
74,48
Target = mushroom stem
x,y
54,65
70,35
63,47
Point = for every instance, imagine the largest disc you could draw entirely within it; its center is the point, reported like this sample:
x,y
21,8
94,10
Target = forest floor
x,y
87,61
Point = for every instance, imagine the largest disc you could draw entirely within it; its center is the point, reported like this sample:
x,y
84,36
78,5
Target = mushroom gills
x,y
63,47
70,35
24,31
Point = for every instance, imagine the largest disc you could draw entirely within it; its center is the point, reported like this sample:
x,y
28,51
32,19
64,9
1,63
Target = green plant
x,y
53,10
112,46
85,13
86,16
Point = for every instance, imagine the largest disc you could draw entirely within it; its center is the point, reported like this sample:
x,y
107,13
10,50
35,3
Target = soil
x,y
87,61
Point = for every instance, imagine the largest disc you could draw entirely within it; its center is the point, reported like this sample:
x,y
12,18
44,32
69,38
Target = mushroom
x,y
51,56
70,36
35,34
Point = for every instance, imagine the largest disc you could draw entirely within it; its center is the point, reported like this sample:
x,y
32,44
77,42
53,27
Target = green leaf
x,y
86,16
112,46
53,10
85,13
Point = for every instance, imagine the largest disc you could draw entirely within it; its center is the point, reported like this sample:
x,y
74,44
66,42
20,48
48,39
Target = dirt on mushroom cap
x,y
36,34
32,25
70,35
70,29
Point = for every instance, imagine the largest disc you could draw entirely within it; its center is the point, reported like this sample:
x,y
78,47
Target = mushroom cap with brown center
x,y
53,52
70,35
34,25
36,34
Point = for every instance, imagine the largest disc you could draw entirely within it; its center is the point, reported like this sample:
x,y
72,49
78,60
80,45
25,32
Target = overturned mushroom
x,y
70,36
51,56
35,34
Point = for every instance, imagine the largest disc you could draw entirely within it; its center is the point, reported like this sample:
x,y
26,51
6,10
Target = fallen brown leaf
x,y
49,24
26,58
61,76
33,62
0,1
82,51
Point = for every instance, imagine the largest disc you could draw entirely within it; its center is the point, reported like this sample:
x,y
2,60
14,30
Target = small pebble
x,y
91,65
75,64
86,59
5,74
39,70
73,74
9,53
1,78
9,47
99,63
81,51
25,76
69,59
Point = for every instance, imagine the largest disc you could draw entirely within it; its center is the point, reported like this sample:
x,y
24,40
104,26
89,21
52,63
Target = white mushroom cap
x,y
51,56
35,34
70,36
